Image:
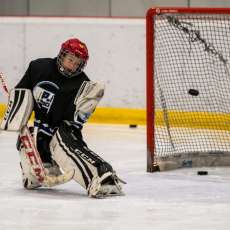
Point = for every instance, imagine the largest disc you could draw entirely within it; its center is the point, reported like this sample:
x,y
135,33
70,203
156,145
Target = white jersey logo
x,y
44,93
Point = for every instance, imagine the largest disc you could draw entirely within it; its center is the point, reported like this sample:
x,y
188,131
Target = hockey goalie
x,y
63,98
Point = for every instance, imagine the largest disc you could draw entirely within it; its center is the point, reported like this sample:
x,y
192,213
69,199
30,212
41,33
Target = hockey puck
x,y
202,173
193,92
132,126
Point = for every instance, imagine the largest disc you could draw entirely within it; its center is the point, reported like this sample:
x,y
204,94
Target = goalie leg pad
x,y
19,108
93,173
47,175
29,180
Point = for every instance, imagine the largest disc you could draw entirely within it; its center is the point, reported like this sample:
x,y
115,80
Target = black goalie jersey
x,y
53,93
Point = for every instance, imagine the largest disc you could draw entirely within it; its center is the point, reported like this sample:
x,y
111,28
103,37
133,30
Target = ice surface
x,y
168,200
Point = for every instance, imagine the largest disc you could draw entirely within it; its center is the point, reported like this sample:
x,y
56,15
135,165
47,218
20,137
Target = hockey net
x,y
188,88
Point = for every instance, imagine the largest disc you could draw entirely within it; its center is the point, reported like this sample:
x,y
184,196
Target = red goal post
x,y
203,40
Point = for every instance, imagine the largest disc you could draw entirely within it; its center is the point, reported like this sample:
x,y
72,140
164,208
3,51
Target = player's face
x,y
71,62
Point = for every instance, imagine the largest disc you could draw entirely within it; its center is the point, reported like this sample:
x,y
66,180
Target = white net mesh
x,y
192,85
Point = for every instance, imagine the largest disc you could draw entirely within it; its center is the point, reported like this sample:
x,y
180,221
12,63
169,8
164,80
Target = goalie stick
x,y
33,155
4,85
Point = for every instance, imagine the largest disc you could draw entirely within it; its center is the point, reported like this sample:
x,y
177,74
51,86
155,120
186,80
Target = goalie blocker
x,y
19,109
91,171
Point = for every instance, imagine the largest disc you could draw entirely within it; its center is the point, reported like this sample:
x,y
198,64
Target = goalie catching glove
x,y
70,152
86,100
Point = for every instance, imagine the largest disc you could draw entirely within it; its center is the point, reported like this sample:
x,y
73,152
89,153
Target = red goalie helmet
x,y
72,57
